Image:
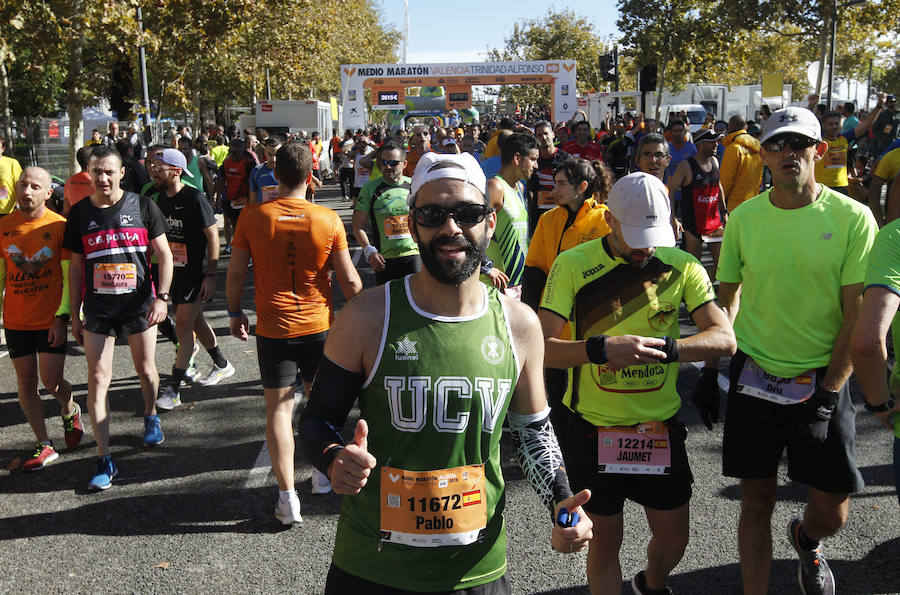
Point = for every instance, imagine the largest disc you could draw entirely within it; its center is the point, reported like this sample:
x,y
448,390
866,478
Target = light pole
x,y
835,6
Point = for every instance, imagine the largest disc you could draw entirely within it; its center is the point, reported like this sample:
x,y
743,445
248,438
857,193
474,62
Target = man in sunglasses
x,y
437,362
383,203
792,267
619,296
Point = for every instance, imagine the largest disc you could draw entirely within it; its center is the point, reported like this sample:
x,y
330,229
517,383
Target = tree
x,y
559,35
737,41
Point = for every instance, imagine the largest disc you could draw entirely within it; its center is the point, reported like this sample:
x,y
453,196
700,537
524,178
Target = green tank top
x,y
509,245
432,406
387,208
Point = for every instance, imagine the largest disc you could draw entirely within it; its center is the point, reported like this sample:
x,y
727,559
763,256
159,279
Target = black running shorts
x,y
757,432
610,490
279,359
340,582
186,285
22,343
115,327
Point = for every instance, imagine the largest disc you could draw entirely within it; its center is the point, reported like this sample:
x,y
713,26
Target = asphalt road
x,y
196,513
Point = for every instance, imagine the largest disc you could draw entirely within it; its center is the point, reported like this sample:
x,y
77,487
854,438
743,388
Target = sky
x,y
463,30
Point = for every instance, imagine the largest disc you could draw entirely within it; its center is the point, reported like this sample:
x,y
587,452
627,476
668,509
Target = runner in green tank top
x,y
382,203
437,361
509,245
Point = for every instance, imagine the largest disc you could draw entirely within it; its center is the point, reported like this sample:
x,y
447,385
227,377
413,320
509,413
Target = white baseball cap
x,y
175,158
797,120
434,166
640,203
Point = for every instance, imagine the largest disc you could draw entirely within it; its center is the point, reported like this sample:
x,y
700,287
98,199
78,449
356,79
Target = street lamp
x,y
835,7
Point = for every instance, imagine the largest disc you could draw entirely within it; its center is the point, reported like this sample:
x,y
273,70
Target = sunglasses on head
x,y
390,162
795,141
465,214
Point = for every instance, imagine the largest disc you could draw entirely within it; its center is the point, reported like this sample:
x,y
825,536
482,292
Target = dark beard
x,y
456,273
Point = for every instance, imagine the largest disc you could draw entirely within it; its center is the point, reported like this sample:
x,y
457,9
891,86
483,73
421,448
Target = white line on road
x,y
4,353
263,464
355,253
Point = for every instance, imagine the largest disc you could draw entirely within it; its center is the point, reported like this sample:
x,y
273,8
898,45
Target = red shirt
x,y
591,151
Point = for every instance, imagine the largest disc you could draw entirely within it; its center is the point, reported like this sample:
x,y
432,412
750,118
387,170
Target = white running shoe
x,y
217,374
288,511
320,483
169,400
192,374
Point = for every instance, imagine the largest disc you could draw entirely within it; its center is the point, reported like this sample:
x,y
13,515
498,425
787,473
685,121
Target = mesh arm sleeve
x,y
333,393
540,457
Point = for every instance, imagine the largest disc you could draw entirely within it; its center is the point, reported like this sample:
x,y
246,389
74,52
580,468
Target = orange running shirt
x,y
33,253
291,242
78,187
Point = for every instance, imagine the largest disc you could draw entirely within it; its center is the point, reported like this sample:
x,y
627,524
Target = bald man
x,y
35,310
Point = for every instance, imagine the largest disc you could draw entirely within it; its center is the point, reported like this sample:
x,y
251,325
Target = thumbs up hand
x,y
350,469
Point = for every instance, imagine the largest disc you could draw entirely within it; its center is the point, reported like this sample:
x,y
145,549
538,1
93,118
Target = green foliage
x,y
559,35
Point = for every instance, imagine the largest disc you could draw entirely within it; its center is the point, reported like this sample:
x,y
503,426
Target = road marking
x,y
724,383
355,254
259,473
4,353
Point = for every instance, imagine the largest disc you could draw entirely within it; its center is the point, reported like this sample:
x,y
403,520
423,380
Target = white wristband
x,y
370,250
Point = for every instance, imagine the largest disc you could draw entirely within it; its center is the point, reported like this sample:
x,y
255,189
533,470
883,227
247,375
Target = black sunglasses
x,y
796,142
390,162
465,214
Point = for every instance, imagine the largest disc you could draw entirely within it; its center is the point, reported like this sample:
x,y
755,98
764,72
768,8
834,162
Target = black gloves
x,y
706,396
817,417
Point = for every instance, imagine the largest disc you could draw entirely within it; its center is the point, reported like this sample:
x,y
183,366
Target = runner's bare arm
x,y
869,350
529,395
892,204
621,350
158,309
234,287
347,276
208,288
715,339
840,367
495,194
76,283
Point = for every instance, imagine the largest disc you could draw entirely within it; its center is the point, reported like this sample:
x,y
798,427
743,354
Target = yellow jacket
x,y
741,168
491,148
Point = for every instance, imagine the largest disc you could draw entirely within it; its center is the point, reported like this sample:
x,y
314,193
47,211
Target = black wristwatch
x,y
163,295
64,317
886,406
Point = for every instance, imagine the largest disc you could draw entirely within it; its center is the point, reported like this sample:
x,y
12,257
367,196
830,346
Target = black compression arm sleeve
x,y
333,393
533,281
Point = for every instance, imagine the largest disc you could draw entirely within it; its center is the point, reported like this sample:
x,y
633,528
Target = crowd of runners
x,y
527,274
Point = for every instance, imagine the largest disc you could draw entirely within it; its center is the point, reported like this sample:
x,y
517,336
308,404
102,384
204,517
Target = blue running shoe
x,y
152,431
106,471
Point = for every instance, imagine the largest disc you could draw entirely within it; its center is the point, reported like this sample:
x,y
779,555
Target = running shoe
x,y
813,573
43,455
169,400
639,585
152,431
320,483
106,472
193,373
288,511
73,427
217,374
227,249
